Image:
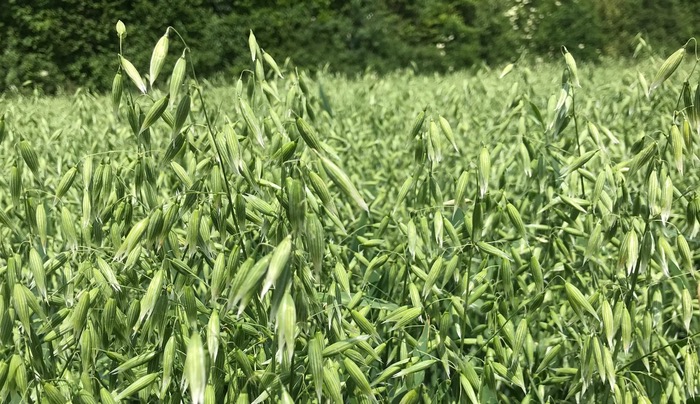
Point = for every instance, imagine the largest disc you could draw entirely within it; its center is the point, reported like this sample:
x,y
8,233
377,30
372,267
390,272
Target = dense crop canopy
x,y
462,237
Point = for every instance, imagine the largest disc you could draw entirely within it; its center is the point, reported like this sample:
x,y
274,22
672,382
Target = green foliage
x,y
53,45
573,24
460,237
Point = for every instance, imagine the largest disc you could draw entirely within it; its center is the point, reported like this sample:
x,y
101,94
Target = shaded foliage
x,y
70,43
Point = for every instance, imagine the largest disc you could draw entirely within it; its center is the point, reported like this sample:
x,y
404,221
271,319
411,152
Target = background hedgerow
x,y
527,234
56,46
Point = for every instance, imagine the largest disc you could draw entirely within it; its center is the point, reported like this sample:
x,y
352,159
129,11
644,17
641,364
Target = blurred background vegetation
x,y
55,45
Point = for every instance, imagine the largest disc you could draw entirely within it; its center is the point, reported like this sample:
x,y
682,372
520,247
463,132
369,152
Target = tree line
x,y
54,44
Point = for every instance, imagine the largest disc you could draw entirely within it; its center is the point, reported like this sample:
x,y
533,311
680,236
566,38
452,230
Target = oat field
x,y
522,234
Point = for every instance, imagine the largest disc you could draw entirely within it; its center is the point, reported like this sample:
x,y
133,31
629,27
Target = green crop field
x,y
522,234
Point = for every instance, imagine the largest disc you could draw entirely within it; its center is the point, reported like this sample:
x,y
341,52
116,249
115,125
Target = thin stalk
x,y
405,280
466,297
211,134
578,140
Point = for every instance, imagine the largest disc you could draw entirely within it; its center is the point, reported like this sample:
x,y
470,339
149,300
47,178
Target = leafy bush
x,y
53,45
